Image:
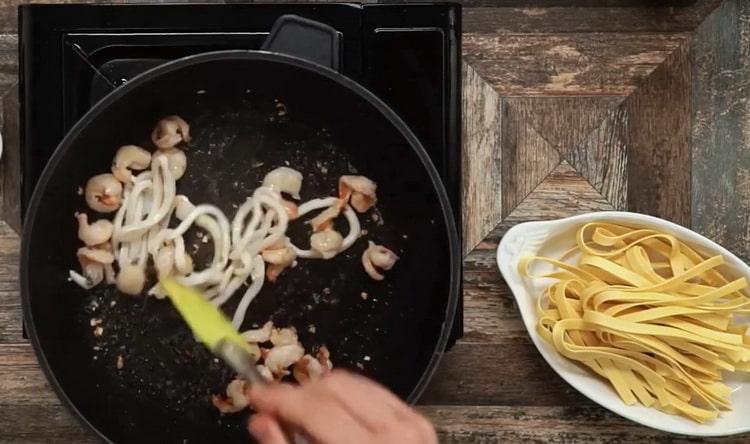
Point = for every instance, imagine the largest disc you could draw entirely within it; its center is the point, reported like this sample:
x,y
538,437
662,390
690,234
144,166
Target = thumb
x,y
266,429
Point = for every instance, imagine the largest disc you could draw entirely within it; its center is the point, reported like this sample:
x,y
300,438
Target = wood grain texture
x,y
555,16
10,299
658,139
606,64
527,159
10,323
8,61
563,193
481,158
588,132
559,425
564,122
602,158
41,424
11,180
22,380
721,127
489,374
490,311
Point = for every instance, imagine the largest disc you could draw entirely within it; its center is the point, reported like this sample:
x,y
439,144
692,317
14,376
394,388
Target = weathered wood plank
x,y
8,79
489,374
588,132
602,158
564,122
21,379
10,247
482,156
721,127
10,323
32,424
10,297
564,424
555,16
490,312
8,61
527,159
11,165
563,193
658,141
587,64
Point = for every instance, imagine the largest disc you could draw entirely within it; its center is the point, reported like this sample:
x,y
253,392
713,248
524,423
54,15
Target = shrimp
x,y
176,161
235,400
164,261
282,356
359,191
278,259
129,157
95,233
93,275
324,220
291,209
103,193
309,368
279,256
259,335
284,180
98,255
328,243
93,262
324,357
283,336
306,369
378,257
351,218
265,372
170,131
131,279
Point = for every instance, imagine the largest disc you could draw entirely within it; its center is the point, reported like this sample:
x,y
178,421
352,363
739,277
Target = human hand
x,y
339,408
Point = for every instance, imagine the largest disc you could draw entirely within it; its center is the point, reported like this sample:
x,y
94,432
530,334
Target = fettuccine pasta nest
x,y
650,315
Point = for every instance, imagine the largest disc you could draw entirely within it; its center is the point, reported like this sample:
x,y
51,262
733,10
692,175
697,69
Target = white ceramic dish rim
x,y
522,238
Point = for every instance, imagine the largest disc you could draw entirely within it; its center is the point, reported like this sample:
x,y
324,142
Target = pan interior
x,y
247,117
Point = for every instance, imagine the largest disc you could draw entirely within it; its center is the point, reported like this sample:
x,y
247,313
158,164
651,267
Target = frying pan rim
x,y
265,56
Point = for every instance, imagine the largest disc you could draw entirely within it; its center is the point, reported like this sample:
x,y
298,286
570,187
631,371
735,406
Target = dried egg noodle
x,y
649,314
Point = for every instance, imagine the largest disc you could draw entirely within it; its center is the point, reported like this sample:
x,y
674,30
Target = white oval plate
x,y
552,239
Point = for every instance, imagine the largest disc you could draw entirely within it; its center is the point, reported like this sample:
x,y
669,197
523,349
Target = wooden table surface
x,y
569,106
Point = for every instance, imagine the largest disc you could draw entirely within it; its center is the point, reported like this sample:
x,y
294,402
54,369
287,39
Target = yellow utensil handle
x,y
240,360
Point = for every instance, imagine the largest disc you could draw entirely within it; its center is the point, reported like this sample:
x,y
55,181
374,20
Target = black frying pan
x,y
250,111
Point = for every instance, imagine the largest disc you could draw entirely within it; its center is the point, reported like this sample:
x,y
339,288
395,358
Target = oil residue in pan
x,y
151,357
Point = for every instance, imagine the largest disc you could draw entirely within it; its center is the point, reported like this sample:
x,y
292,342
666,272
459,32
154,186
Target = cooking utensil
x,y
552,239
214,329
250,111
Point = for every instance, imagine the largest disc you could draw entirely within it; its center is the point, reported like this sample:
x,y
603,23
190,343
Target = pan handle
x,y
307,39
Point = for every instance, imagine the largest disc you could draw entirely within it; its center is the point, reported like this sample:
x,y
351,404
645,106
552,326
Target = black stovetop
x,y
72,55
